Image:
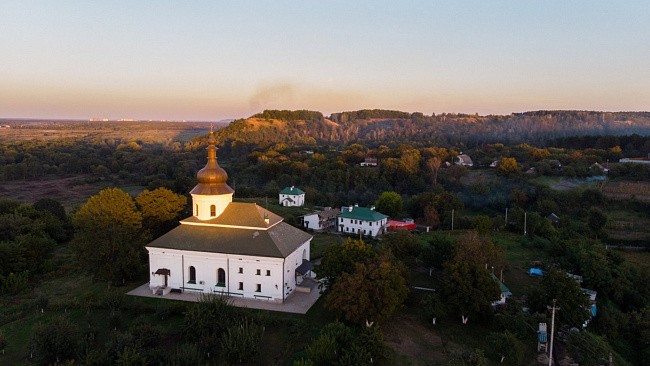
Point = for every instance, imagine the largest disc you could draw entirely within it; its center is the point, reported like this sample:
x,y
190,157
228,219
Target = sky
x,y
214,60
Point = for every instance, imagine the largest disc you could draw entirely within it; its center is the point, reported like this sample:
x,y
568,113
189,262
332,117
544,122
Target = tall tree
x,y
434,165
468,285
389,203
372,293
340,258
507,166
108,240
572,302
159,209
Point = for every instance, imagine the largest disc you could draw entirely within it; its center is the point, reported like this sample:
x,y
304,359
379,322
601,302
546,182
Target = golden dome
x,y
212,178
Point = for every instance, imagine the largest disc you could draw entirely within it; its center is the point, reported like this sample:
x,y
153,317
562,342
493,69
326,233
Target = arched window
x,y
196,210
221,277
192,275
213,210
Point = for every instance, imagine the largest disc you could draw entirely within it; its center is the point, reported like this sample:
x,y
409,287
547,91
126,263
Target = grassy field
x,y
563,183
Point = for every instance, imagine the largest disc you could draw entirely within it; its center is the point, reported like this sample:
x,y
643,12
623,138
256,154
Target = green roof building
x,y
292,196
362,221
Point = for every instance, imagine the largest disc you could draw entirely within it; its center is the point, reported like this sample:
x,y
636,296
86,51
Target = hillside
x,y
383,126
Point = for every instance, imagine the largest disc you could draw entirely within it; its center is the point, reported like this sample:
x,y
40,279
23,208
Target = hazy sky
x,y
211,60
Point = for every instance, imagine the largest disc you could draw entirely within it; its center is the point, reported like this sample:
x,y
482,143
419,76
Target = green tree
x,y
438,250
3,342
373,292
507,166
338,344
596,220
52,206
241,342
389,203
468,285
468,358
482,224
404,245
55,341
433,307
557,285
340,258
588,348
160,208
108,240
506,348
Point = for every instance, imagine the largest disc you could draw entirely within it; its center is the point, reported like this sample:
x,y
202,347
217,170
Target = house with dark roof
x,y
362,221
321,220
292,196
233,248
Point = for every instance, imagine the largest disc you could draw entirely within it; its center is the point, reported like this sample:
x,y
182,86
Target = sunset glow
x,y
196,60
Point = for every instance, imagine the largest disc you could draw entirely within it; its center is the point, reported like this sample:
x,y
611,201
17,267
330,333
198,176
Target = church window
x,y
192,275
259,288
241,286
268,272
213,210
241,269
221,277
258,272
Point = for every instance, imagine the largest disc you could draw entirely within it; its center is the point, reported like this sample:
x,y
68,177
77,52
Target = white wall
x,y
352,226
298,200
281,278
312,222
291,263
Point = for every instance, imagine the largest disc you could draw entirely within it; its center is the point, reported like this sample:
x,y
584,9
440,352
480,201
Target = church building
x,y
234,248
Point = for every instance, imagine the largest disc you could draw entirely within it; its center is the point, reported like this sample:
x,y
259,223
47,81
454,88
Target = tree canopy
x,y
108,240
371,293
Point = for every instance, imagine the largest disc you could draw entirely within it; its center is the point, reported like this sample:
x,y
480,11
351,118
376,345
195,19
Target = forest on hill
x,y
376,127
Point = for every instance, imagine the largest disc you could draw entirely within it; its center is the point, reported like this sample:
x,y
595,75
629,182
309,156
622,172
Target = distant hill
x,y
386,126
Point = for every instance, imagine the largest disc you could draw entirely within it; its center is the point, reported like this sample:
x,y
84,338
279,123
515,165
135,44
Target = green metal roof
x,y
292,190
502,286
363,213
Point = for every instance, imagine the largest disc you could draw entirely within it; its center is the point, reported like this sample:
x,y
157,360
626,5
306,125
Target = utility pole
x,y
506,216
452,219
525,221
550,353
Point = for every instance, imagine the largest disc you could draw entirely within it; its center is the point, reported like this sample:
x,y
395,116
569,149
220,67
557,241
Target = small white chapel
x,y
232,248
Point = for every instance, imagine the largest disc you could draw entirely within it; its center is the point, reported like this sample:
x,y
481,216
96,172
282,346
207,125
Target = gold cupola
x,y
212,194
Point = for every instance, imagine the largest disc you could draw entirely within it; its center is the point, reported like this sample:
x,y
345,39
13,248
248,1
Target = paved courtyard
x,y
296,302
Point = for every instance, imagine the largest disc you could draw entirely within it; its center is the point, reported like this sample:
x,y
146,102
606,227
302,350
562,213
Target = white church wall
x,y
291,263
207,265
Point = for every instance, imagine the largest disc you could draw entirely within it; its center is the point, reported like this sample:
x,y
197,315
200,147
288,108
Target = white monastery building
x,y
362,221
292,196
233,248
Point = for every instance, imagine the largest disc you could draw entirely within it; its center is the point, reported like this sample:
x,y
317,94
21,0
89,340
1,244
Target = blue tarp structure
x,y
535,272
